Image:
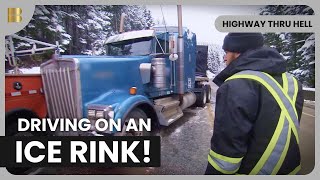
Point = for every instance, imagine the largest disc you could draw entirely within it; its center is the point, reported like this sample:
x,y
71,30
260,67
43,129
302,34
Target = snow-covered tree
x,y
148,18
83,29
94,28
215,59
45,25
287,10
297,48
306,71
138,17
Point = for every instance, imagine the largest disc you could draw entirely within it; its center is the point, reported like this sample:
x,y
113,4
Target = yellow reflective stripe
x,y
275,95
284,92
218,168
266,154
296,170
286,147
285,82
292,102
284,153
295,90
225,158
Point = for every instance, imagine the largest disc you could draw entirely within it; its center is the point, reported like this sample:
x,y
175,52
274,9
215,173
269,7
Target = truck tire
x,y
201,98
136,113
11,129
12,123
208,89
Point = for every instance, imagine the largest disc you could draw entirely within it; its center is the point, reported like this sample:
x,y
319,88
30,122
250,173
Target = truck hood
x,y
101,75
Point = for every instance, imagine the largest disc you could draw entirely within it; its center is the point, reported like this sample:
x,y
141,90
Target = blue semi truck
x,y
146,74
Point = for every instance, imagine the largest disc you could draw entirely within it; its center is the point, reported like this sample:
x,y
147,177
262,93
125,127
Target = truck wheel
x,y
201,98
208,90
12,123
135,114
11,129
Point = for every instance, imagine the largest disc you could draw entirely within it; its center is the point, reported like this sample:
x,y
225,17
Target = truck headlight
x,y
100,114
91,113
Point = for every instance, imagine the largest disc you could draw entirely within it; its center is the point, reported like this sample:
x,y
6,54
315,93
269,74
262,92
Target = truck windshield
x,y
132,47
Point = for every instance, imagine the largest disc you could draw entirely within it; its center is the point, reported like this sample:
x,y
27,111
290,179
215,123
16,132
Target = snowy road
x,y
185,146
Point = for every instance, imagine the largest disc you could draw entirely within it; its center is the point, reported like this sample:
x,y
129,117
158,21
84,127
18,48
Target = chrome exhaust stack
x,y
123,15
180,55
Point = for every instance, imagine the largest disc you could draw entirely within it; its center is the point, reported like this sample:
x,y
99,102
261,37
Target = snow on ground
x,y
34,70
309,101
210,75
309,89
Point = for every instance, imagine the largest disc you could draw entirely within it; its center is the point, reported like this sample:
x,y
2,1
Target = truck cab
x,y
138,78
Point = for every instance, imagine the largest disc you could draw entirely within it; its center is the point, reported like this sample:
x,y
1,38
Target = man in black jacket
x,y
258,109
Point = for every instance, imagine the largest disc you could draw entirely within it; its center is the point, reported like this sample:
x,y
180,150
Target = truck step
x,y
163,100
170,115
170,105
174,117
170,112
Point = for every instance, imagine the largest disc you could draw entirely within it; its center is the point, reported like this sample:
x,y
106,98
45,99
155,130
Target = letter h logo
x,y
14,15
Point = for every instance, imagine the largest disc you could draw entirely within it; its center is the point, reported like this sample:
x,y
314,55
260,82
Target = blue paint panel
x,y
190,45
128,104
102,76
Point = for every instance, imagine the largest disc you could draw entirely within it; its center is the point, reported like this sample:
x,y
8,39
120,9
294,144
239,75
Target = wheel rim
x,y
131,132
209,95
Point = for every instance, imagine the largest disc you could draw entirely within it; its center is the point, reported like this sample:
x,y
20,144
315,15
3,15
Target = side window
x,y
164,46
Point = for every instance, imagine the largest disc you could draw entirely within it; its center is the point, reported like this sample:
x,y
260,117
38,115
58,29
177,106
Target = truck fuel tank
x,y
159,72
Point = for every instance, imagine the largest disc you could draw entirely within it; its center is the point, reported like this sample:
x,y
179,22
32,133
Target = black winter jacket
x,y
246,114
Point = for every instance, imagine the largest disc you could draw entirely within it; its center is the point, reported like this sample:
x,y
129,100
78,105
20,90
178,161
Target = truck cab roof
x,y
144,33
170,29
130,35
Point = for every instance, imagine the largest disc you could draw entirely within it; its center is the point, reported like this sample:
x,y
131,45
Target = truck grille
x,y
61,89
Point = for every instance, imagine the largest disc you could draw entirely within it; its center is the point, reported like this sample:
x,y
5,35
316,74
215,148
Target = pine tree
x,y
135,18
306,69
287,10
148,18
297,48
215,59
45,26
83,29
